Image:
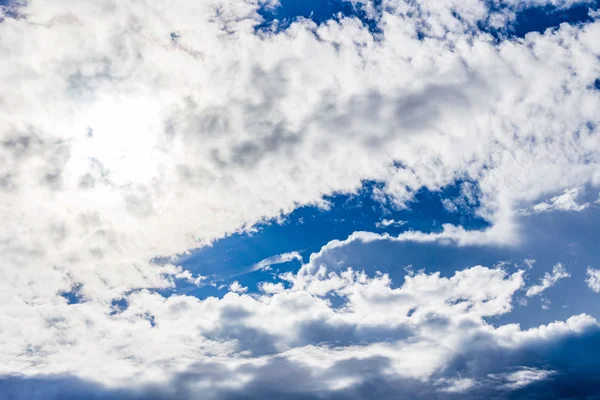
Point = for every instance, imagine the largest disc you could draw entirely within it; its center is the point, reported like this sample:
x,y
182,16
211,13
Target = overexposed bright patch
x,y
120,137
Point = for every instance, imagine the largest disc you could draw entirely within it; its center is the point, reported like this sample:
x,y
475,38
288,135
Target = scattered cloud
x,y
522,301
278,259
529,262
235,287
385,223
549,279
593,279
465,202
523,377
449,205
545,303
565,202
436,322
110,159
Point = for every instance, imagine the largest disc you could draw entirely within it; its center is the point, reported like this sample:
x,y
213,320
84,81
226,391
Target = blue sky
x,y
308,228
566,237
529,18
291,199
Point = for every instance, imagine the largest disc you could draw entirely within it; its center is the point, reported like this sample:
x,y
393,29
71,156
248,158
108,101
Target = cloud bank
x,y
133,132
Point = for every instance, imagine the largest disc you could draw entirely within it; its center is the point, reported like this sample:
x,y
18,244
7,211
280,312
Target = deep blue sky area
x,y
317,10
538,19
531,19
567,237
309,228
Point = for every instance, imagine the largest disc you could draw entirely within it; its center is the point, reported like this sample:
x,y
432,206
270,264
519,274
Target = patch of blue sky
x,y
570,238
72,296
567,237
540,18
526,19
319,11
308,228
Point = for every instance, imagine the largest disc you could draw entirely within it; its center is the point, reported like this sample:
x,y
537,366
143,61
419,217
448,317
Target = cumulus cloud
x,y
549,279
132,132
235,287
565,202
593,279
110,158
241,339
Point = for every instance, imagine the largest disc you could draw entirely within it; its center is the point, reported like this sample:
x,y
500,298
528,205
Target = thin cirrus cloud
x,y
134,132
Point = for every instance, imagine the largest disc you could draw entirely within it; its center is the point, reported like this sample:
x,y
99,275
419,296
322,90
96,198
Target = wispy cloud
x,y
385,223
593,279
548,280
274,260
564,202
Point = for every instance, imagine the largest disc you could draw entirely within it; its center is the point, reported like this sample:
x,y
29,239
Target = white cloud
x,y
449,205
565,202
428,321
549,279
446,312
524,377
456,385
593,279
385,223
545,303
270,287
522,301
450,234
120,144
278,259
235,287
529,262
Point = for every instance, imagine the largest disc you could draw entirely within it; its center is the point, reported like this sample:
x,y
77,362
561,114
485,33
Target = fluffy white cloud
x,y
111,158
565,202
132,131
548,280
417,328
235,287
278,259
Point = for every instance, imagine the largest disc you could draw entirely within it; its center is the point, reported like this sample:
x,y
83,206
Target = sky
x,y
319,199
